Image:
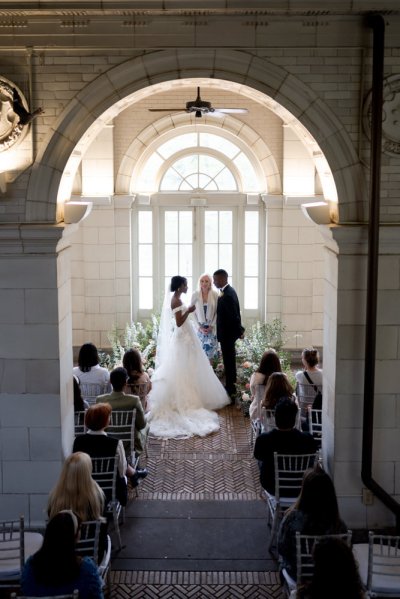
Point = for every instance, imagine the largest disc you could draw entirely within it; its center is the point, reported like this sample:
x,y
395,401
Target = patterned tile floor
x,y
217,467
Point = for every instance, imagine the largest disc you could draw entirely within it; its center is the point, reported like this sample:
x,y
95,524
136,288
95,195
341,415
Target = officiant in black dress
x,y
229,328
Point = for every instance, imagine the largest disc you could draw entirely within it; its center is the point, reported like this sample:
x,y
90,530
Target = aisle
x,y
198,528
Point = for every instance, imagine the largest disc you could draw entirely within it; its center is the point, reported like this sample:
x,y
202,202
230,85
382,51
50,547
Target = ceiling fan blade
x,y
216,114
232,110
165,109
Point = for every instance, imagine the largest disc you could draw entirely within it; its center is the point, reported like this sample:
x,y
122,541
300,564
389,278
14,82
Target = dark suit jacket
x,y
229,325
291,442
102,446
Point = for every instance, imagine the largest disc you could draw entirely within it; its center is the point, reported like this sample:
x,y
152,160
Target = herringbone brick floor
x,y
217,467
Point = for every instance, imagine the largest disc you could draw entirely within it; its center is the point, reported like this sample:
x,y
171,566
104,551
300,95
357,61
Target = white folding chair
x,y
88,545
16,545
73,595
289,472
88,541
379,565
256,423
315,424
305,396
122,426
105,566
90,391
304,560
79,423
267,420
105,473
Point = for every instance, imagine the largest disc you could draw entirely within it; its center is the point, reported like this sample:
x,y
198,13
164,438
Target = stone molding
x,y
91,105
353,239
30,239
67,9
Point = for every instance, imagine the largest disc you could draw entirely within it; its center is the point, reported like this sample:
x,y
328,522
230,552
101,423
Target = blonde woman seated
x,y
269,363
205,315
77,491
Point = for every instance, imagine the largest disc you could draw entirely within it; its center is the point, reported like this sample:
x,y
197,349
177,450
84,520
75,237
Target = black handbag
x,y
317,403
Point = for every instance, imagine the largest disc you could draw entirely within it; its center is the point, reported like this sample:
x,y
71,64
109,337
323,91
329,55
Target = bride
x,y
185,389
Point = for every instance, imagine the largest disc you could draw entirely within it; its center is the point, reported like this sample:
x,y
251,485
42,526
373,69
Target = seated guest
x,y
269,363
76,490
310,360
132,362
98,444
284,439
335,573
310,375
315,512
278,386
119,400
56,569
88,369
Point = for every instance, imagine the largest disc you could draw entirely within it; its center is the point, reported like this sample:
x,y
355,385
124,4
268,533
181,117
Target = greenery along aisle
x,y
260,337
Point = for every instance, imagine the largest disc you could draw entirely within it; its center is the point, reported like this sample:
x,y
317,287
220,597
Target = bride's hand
x,y
191,308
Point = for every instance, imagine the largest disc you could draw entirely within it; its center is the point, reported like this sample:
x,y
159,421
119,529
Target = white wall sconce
x,y
74,212
318,212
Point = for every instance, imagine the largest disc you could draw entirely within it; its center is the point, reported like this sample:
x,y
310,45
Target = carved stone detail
x,y
11,130
390,116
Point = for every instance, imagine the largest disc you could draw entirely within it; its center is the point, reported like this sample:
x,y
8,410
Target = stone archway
x,y
100,100
90,109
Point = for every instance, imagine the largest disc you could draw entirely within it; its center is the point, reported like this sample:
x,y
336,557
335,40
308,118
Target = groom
x,y
229,328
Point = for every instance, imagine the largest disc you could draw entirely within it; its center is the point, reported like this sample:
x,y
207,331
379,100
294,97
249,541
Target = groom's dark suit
x,y
229,328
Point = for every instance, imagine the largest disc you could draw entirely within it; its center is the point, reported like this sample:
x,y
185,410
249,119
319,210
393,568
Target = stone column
x,y
344,348
36,408
273,263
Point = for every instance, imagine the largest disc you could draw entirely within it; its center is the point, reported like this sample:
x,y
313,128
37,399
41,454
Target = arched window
x,y
193,214
200,161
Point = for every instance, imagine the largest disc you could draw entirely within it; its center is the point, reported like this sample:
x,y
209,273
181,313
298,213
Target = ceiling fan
x,y
199,107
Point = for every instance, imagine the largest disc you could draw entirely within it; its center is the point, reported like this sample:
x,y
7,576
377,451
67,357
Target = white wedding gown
x,y
185,388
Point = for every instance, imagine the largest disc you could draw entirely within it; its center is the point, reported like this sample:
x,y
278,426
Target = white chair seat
x,y
10,567
387,581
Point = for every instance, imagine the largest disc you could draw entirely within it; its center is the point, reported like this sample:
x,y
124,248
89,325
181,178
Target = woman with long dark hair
x,y
89,369
269,363
138,380
278,386
185,389
315,512
56,569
